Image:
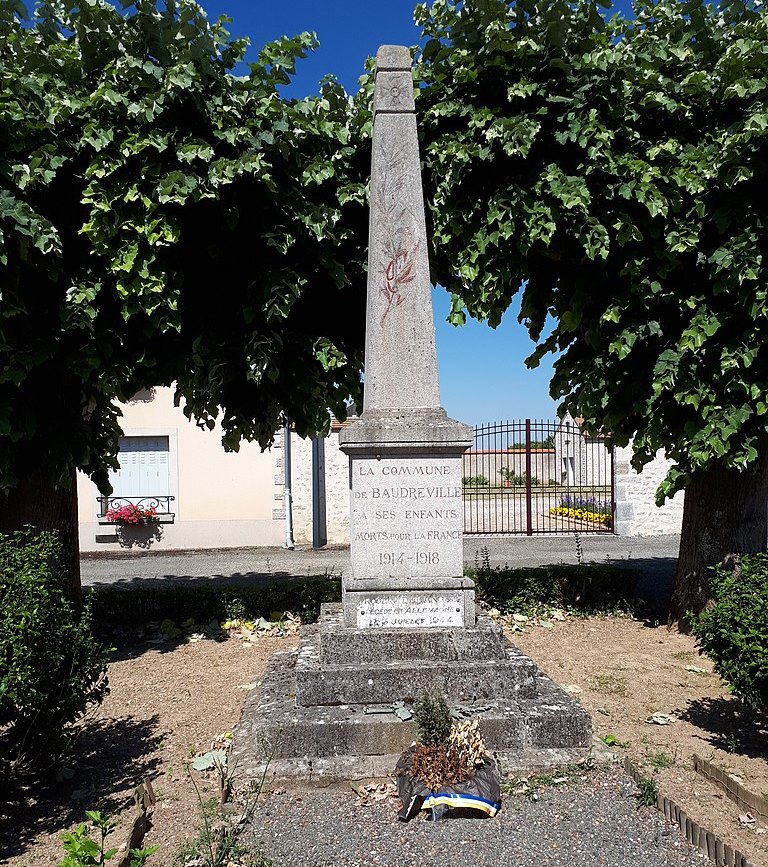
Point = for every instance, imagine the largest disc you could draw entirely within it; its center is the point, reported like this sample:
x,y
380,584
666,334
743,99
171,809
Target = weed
x,y
81,850
532,785
660,761
218,841
649,792
433,720
579,549
611,740
235,609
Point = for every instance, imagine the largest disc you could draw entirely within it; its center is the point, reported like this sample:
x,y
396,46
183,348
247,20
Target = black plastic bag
x,y
481,793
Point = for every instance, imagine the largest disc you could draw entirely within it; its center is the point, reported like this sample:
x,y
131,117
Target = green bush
x,y
588,588
433,720
733,631
475,482
51,667
138,605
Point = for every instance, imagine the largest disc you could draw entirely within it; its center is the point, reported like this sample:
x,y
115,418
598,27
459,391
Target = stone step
x,y
514,676
343,646
273,726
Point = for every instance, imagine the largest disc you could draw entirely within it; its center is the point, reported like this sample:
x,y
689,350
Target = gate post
x,y
528,509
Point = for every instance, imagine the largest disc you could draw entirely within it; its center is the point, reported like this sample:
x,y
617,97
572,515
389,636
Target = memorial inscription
x,y
404,510
413,609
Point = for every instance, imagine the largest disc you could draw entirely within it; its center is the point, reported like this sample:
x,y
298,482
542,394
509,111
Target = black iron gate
x,y
536,477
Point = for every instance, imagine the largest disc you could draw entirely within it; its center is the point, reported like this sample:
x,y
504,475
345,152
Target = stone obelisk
x,y
405,453
336,706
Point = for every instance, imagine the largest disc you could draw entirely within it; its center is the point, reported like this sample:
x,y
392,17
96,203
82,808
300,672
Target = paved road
x,y
653,556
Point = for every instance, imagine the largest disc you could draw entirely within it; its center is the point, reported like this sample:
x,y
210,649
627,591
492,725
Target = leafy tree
x,y
165,220
616,174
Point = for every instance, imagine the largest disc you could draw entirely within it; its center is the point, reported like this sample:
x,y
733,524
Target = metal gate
x,y
537,477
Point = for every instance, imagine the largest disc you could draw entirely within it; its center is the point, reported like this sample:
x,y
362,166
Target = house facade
x,y
208,498
204,497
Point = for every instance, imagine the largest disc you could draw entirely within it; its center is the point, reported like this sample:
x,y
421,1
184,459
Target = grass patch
x,y
587,589
531,786
137,605
608,684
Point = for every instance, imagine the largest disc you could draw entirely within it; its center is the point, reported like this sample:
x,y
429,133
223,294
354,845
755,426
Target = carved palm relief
x,y
400,239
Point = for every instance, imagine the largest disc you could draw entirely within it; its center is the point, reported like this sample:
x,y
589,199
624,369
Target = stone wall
x,y
336,490
636,511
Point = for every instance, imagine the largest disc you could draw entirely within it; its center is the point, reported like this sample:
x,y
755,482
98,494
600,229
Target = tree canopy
x,y
615,173
167,216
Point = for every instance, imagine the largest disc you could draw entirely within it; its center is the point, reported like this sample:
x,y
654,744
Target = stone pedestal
x,y
406,522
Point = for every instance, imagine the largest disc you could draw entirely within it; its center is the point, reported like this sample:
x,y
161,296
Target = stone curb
x,y
710,845
336,771
144,798
731,786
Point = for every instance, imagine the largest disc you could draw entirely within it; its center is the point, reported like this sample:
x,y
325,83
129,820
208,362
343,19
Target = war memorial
x,y
338,706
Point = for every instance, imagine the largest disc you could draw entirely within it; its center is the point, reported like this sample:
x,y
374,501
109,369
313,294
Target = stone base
x,y
389,680
344,646
330,703
345,741
299,773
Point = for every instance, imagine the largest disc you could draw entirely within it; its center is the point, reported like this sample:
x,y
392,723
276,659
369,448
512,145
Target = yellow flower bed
x,y
581,515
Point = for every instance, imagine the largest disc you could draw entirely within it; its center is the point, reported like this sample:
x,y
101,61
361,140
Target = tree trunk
x,y
48,507
725,513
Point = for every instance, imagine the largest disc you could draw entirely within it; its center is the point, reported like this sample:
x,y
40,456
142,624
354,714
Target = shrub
x,y
433,720
733,631
588,588
475,482
203,602
51,667
518,480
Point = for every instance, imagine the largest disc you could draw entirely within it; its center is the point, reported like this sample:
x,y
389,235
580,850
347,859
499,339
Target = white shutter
x,y
143,468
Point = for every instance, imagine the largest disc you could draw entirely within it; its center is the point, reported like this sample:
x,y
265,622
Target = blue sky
x,y
482,372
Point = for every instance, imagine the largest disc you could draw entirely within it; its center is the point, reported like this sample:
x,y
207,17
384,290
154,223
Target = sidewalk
x,y
653,556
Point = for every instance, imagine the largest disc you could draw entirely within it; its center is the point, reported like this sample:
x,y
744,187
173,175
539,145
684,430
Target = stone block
x,y
393,57
409,609
380,682
394,91
408,602
342,646
554,719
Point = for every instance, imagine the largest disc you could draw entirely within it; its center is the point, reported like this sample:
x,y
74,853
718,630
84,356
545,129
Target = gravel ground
x,y
593,823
